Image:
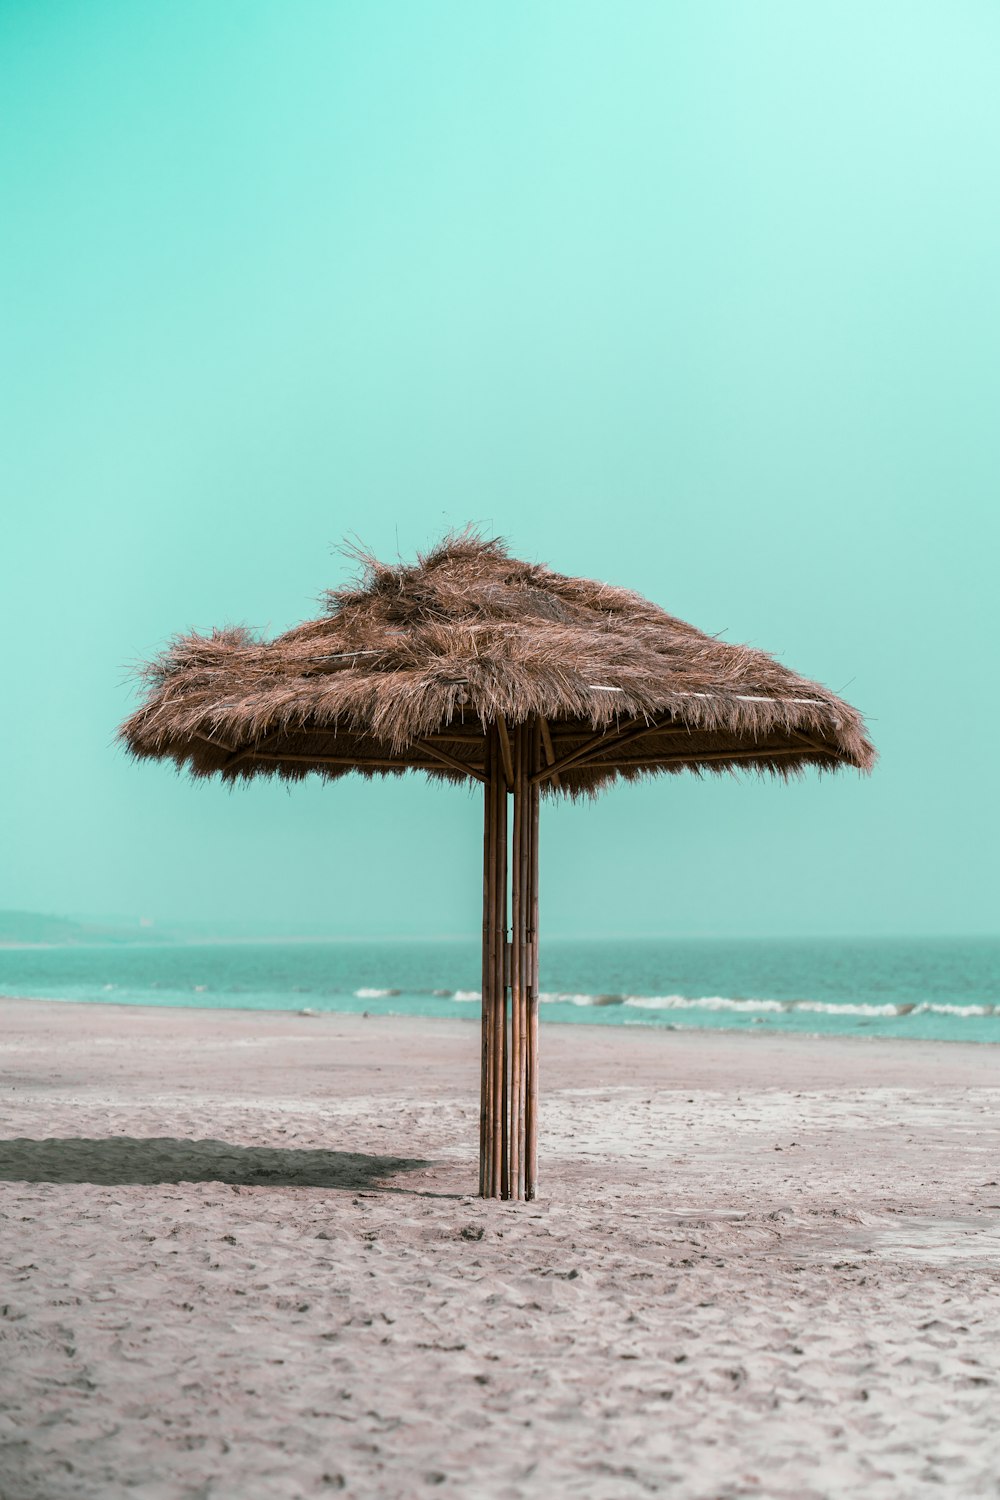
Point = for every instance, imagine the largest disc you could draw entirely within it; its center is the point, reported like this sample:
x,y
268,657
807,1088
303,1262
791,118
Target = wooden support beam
x,y
437,736
670,728
357,762
550,754
604,738
456,737
250,750
449,760
696,757
812,744
594,749
508,761
215,744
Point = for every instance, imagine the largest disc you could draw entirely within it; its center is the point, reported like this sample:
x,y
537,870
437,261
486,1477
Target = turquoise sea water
x,y
946,988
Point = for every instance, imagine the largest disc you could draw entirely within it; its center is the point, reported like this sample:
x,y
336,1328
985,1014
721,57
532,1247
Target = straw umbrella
x,y
473,666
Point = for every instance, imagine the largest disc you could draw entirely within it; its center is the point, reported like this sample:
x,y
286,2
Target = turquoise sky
x,y
701,298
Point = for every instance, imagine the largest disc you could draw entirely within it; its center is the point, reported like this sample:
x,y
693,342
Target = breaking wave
x,y
763,1007
735,1005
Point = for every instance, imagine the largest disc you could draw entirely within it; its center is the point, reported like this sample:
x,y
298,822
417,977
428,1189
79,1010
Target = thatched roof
x,y
405,669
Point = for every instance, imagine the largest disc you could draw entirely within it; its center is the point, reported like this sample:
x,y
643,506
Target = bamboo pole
x,y
503,1061
489,957
531,1143
498,1168
508,1128
486,993
493,962
526,768
523,875
516,965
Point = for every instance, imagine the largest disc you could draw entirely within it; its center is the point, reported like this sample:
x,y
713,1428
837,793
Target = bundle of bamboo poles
x,y
508,1117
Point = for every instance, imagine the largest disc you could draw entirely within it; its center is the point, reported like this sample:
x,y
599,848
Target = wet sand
x,y
242,1258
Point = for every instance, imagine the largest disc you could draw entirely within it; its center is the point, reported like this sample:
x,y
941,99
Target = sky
x,y
700,299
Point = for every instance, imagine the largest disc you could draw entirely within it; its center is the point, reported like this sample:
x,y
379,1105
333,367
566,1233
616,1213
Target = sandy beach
x,y
242,1257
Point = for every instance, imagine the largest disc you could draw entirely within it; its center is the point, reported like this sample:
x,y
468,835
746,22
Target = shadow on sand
x,y
123,1161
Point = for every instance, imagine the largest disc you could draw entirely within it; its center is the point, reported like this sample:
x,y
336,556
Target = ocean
x,y
947,989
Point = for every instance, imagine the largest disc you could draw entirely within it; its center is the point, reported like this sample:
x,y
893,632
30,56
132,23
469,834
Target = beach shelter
x,y
471,665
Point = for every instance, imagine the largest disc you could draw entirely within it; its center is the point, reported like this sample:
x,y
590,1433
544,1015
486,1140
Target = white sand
x,y
762,1266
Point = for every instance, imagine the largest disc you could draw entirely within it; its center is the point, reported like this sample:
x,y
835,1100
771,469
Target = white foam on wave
x,y
557,998
960,1010
847,1008
746,1006
704,1002
757,1007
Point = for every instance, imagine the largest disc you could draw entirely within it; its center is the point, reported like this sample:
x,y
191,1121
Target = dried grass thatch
x,y
407,669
